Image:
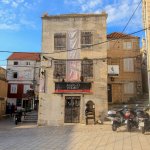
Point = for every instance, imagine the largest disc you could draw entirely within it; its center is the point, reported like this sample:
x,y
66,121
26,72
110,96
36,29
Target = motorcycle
x,y
144,121
131,119
18,116
117,118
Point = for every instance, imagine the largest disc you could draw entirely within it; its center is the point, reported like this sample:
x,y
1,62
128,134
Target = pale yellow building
x,y
3,91
146,22
74,70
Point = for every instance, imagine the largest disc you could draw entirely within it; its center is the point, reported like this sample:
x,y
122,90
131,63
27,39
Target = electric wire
x,y
129,19
99,43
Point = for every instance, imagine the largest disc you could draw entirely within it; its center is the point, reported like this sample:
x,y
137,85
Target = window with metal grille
x,y
59,41
59,69
87,68
86,39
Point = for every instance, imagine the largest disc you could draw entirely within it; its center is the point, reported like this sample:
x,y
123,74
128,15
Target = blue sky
x,y
20,20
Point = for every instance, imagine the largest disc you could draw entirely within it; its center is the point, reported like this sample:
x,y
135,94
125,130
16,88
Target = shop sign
x,y
72,87
113,70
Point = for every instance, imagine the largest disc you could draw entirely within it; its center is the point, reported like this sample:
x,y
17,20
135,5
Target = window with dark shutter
x,y
59,69
87,68
86,39
59,41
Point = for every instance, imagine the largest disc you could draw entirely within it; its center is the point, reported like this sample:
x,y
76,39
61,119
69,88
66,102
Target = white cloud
x,y
14,4
4,26
6,1
14,14
119,11
27,23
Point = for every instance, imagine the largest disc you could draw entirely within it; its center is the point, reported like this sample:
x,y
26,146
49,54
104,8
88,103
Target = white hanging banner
x,y
73,70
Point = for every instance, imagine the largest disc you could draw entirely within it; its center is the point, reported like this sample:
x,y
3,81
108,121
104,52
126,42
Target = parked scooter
x,y
117,118
18,116
144,121
131,119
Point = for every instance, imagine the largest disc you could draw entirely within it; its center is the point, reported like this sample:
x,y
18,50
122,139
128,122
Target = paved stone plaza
x,y
70,137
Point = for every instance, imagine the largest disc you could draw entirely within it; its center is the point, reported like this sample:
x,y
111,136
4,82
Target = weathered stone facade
x,y
51,104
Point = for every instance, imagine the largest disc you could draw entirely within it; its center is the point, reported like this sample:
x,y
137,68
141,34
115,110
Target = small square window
x,y
15,62
15,75
28,63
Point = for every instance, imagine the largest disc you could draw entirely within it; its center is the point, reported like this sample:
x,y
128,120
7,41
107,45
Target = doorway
x,y
72,109
109,90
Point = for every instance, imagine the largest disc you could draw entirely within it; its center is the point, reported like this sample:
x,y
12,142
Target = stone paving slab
x,y
70,137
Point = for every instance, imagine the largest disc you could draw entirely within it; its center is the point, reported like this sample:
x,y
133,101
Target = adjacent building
x,y
146,23
23,79
3,91
124,68
73,68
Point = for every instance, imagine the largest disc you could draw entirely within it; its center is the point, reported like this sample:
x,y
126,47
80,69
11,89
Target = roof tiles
x,y
24,56
120,35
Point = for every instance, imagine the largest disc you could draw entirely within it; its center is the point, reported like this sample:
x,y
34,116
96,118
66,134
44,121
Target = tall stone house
x,y
3,91
146,24
23,76
74,70
124,68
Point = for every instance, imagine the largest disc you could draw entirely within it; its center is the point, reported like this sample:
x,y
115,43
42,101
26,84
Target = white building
x,y
23,75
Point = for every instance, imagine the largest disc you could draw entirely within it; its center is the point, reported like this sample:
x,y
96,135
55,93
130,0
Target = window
x,y
18,103
87,68
127,45
60,41
13,88
128,64
129,88
59,69
28,63
86,39
15,62
26,88
15,75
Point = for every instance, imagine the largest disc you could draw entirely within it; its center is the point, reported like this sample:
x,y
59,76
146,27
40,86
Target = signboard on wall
x,y
113,70
72,87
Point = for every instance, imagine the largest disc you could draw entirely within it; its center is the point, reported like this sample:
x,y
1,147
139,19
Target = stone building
x,y
23,76
144,69
74,70
3,91
146,23
124,68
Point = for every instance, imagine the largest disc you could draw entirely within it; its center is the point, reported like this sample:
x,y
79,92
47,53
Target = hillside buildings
x,y
124,68
3,91
23,76
74,70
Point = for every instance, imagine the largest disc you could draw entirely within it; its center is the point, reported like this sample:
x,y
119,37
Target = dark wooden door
x,y
109,89
72,109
